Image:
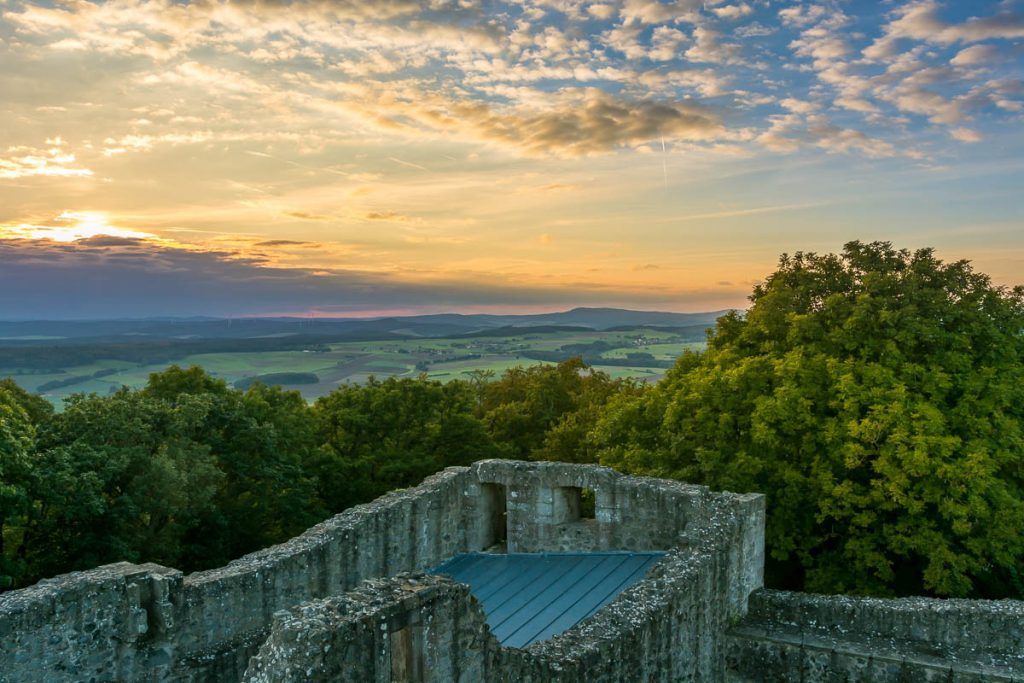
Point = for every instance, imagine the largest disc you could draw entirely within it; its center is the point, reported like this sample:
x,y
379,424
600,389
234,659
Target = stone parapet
x,y
838,637
256,617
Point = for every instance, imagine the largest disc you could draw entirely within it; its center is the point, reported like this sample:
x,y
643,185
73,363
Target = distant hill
x,y
60,333
607,318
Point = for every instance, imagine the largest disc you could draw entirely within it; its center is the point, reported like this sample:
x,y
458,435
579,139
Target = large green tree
x,y
37,408
546,412
120,477
263,442
17,443
877,398
392,433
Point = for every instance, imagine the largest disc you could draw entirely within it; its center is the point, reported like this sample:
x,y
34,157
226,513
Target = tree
x,y
37,408
17,441
391,434
545,412
175,381
877,398
263,441
119,477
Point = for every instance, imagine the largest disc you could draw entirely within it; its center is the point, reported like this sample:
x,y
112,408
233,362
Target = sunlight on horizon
x,y
75,226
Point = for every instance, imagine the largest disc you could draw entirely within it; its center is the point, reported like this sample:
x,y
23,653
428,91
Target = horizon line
x,y
360,316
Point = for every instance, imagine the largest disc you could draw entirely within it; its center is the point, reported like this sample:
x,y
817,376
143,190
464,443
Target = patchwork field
x,y
338,363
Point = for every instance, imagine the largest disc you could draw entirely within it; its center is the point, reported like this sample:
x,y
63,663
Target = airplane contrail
x,y
295,163
408,163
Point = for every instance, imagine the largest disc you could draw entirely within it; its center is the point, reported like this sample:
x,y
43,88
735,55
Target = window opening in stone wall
x,y
567,504
496,515
406,656
588,504
574,504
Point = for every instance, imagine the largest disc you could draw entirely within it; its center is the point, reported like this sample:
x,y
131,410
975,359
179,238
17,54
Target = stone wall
x,y
145,622
666,627
303,610
631,513
105,625
398,630
800,636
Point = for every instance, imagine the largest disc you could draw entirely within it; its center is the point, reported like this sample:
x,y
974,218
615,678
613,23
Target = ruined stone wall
x,y
149,623
103,625
800,636
666,627
631,513
407,628
145,622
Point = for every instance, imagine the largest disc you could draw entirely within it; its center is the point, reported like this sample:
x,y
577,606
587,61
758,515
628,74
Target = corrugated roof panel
x,y
529,597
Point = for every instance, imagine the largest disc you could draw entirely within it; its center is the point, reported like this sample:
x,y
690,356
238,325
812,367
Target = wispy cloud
x,y
403,137
732,213
21,161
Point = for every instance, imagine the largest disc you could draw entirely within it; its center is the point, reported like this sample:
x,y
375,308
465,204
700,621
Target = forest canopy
x,y
875,396
191,473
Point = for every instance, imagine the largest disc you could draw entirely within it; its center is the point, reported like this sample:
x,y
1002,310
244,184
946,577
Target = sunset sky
x,y
337,157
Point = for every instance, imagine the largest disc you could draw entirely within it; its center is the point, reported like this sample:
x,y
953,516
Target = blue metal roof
x,y
529,597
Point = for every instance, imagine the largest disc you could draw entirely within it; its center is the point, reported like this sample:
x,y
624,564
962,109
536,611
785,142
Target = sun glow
x,y
71,226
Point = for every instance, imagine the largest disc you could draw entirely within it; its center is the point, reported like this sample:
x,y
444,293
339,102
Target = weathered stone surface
x,y
426,627
109,624
801,636
322,606
664,628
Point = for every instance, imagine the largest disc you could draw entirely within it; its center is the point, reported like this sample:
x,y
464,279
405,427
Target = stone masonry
x,y
348,600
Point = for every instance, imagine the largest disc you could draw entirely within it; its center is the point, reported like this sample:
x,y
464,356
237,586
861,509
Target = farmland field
x,y
640,353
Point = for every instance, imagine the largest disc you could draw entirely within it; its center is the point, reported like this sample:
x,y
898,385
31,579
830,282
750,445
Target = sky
x,y
345,158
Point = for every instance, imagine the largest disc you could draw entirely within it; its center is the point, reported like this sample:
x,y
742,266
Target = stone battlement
x,y
348,600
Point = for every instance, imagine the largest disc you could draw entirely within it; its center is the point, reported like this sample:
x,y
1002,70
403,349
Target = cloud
x,y
318,73
708,47
754,30
306,216
733,12
974,55
574,122
790,132
603,123
309,118
665,43
912,81
654,12
965,135
74,226
920,21
802,15
707,82
24,162
386,216
103,279
859,104
799,106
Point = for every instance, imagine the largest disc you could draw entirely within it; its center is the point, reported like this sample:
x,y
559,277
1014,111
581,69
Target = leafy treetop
x,y
877,398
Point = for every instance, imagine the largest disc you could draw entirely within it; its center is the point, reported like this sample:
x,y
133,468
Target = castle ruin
x,y
357,599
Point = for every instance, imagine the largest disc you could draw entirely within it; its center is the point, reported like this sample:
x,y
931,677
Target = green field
x,y
354,362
